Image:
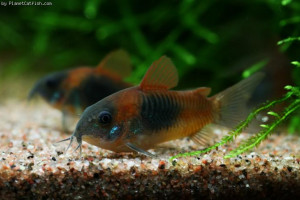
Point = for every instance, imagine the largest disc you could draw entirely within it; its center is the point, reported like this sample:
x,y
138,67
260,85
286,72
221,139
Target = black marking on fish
x,y
93,89
159,111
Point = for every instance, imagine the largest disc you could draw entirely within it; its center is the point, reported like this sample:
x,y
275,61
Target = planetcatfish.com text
x,y
25,3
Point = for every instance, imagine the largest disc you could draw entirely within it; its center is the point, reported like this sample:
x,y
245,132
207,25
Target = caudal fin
x,y
231,104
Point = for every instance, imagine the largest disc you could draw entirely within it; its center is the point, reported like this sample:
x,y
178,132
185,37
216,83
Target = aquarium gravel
x,y
33,166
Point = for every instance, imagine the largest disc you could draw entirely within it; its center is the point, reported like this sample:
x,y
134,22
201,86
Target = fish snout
x,y
78,133
78,139
33,92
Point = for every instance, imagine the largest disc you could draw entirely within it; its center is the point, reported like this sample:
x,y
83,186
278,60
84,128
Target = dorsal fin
x,y
117,62
162,74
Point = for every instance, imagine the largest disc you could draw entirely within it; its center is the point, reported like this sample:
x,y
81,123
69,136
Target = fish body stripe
x,y
91,90
159,111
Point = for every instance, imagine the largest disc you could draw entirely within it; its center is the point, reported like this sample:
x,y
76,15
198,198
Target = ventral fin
x,y
139,150
117,62
205,91
162,74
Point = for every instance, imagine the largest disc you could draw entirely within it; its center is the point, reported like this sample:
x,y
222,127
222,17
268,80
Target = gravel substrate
x,y
32,166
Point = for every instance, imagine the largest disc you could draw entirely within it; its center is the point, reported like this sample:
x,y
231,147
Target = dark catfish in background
x,y
138,118
71,91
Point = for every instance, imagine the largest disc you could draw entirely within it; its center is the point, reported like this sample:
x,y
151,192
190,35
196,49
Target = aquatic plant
x,y
201,37
292,97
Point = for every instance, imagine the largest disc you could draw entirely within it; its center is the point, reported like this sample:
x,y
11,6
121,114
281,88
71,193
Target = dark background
x,y
212,42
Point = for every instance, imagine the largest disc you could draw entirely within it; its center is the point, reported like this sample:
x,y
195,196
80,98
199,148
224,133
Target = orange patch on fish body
x,y
76,76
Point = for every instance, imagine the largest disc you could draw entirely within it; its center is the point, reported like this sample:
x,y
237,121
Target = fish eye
x,y
104,117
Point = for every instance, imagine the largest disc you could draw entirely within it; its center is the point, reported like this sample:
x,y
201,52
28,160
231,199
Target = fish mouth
x,y
33,92
37,90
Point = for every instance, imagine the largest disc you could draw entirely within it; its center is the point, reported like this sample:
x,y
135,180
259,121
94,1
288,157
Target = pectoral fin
x,y
139,150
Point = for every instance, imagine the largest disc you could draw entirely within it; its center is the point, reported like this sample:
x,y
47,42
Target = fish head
x,y
107,123
50,87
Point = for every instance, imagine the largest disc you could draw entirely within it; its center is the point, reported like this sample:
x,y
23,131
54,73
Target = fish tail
x,y
231,104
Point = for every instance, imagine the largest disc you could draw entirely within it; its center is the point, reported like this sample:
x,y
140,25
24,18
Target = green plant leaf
x,y
289,39
258,138
285,2
296,63
273,114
